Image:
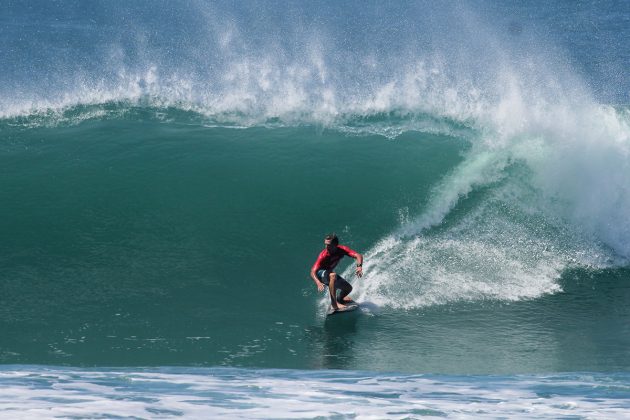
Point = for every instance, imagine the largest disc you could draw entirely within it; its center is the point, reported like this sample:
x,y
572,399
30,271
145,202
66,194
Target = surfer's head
x,y
331,241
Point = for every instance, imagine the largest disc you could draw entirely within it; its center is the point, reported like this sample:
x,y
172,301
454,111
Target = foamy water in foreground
x,y
54,392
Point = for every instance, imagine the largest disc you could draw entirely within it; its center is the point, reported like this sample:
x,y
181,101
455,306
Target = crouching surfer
x,y
323,273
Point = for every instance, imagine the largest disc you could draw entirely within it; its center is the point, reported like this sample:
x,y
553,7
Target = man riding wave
x,y
323,273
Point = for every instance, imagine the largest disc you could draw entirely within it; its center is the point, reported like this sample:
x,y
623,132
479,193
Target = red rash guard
x,y
328,261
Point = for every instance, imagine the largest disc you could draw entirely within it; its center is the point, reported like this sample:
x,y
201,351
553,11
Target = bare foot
x,y
346,300
339,306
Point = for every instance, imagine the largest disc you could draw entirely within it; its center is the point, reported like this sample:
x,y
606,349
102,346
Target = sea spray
x,y
511,217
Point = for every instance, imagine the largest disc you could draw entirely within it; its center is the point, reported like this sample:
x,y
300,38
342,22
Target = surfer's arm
x,y
319,284
354,254
359,270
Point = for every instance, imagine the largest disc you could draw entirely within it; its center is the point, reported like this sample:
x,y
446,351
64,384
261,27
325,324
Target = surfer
x,y
323,273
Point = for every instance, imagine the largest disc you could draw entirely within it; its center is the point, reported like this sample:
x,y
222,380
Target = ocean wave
x,y
542,146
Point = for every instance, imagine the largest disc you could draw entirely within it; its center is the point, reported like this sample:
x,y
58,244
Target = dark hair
x,y
333,238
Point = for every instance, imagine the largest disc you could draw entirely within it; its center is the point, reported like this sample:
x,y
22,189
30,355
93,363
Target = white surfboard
x,y
349,307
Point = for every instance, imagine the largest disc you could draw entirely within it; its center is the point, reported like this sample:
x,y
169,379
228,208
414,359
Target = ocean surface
x,y
168,170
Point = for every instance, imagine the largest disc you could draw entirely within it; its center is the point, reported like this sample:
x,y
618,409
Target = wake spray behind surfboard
x,y
519,210
542,188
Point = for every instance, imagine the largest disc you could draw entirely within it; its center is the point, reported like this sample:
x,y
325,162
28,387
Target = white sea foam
x,y
238,393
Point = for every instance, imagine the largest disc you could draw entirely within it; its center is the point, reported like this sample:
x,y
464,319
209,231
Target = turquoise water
x,y
167,175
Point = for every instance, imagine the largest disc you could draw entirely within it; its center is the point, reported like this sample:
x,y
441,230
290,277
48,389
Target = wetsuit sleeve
x,y
349,252
318,263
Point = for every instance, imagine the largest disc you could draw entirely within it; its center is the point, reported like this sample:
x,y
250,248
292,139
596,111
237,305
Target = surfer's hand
x,y
359,271
320,286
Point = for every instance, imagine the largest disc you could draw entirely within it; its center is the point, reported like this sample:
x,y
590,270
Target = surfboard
x,y
349,308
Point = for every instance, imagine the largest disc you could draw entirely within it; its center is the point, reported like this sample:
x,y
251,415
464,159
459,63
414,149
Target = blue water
x,y
168,171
